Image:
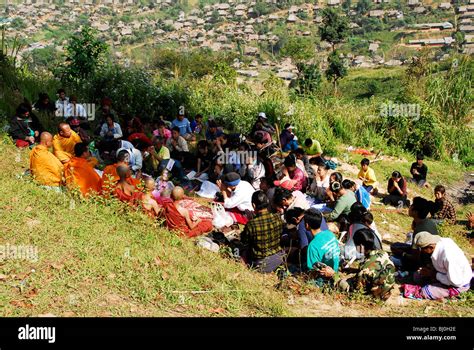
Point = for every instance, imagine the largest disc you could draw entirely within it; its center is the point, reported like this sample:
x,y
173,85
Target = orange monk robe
x,y
45,167
79,172
63,147
110,178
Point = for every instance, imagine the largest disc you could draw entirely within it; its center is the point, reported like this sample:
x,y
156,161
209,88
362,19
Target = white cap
x,y
262,115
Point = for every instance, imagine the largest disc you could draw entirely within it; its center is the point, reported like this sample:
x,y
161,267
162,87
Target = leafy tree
x,y
224,74
336,69
346,5
84,55
298,48
335,28
309,79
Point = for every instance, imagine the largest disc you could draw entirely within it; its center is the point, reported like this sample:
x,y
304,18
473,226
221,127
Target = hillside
x,y
97,259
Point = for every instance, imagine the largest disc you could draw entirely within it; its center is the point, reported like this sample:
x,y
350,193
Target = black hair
x,y
281,194
365,238
121,155
260,200
338,177
198,116
367,218
175,129
397,175
357,212
335,186
365,161
202,144
348,184
313,218
60,91
300,151
308,142
80,148
212,124
440,189
21,109
420,156
292,214
290,161
421,206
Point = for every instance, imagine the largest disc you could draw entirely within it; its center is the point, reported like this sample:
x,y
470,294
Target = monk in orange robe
x,y
124,191
46,169
79,172
64,142
110,177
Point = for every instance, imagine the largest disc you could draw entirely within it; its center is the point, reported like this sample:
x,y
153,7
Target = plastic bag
x,y
220,217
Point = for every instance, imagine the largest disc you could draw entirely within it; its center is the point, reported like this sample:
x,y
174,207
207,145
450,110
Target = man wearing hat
x,y
262,124
237,196
288,140
450,273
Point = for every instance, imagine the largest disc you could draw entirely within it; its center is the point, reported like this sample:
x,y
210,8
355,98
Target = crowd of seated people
x,y
293,210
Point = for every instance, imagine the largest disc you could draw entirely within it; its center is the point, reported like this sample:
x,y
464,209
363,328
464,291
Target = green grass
x,y
101,258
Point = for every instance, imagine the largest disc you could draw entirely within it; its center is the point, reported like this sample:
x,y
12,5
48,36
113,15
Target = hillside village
x,y
237,26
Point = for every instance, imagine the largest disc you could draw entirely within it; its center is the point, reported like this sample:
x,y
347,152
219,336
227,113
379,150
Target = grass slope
x,y
103,259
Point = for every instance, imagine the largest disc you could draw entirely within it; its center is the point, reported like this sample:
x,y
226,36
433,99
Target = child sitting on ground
x,y
367,175
148,202
442,209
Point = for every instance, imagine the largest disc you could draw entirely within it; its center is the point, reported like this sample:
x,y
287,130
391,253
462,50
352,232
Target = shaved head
x,y
46,139
177,193
149,183
123,171
64,130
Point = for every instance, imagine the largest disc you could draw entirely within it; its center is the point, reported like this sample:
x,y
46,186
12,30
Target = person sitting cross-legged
x,y
419,171
179,218
449,273
442,209
376,275
148,202
396,191
80,173
64,142
261,236
323,250
46,169
124,190
367,176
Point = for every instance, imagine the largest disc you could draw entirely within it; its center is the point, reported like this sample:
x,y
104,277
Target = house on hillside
x,y
376,13
446,41
334,2
433,26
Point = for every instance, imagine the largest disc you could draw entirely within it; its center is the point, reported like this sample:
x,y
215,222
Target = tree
x,y
224,74
335,28
336,69
298,48
309,78
84,55
346,5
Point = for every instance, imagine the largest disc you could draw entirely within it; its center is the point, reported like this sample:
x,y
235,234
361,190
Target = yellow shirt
x,y
45,167
64,147
369,176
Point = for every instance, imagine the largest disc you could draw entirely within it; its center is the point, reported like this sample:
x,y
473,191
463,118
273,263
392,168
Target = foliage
x,y
309,78
298,48
335,28
84,55
336,69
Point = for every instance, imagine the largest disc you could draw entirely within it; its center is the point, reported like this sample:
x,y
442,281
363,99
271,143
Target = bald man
x,y
46,169
64,142
180,219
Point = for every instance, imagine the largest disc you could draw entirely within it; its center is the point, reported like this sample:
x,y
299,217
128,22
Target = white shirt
x,y
300,201
452,266
136,159
75,111
241,197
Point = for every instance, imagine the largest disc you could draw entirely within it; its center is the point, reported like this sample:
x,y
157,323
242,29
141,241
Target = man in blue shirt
x,y
184,126
323,250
